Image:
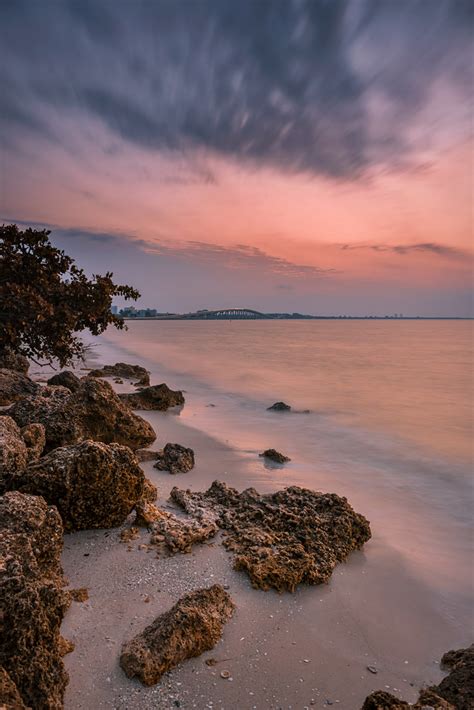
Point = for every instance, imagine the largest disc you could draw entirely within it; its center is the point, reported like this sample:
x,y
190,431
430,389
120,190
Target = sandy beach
x,y
310,648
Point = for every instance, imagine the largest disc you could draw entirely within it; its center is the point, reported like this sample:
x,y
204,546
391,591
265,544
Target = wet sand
x,y
311,648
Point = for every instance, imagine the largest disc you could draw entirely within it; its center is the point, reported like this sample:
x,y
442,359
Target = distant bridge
x,y
226,314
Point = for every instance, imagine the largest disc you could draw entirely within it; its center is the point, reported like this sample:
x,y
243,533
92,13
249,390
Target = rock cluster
x,y
18,447
175,459
157,397
192,626
122,369
66,378
93,485
33,603
281,539
275,456
455,692
14,385
93,411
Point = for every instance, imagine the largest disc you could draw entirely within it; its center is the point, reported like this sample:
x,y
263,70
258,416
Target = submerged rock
x,y
32,601
158,397
275,456
65,379
10,360
175,459
192,626
455,692
122,369
14,385
279,407
178,534
281,539
93,485
17,449
93,411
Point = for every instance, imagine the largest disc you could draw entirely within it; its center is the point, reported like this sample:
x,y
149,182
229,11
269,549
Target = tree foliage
x,y
45,299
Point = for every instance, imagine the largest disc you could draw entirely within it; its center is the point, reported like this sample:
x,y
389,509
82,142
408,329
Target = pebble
x,y
225,674
372,669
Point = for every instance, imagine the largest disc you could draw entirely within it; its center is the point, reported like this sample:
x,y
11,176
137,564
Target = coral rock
x,y
146,514
281,539
175,459
158,397
14,385
65,379
178,534
275,456
192,626
32,600
122,369
93,485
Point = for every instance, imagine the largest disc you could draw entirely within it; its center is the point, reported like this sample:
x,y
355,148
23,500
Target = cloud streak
x,y
443,250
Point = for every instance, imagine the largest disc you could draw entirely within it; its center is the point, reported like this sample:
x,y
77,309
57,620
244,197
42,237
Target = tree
x,y
45,299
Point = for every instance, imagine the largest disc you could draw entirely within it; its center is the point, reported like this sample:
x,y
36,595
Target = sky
x,y
280,155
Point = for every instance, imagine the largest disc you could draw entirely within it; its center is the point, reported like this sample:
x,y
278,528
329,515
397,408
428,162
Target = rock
x,y
193,625
175,459
150,491
158,397
93,411
455,692
279,407
93,485
178,534
129,534
281,539
32,599
10,360
17,449
146,455
65,379
122,369
10,698
34,436
275,456
14,385
81,594
146,514
118,381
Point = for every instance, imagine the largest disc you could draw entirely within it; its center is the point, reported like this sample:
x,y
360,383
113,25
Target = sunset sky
x,y
274,154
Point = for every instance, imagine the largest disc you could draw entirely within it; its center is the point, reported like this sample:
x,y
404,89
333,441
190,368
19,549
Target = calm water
x,y
390,423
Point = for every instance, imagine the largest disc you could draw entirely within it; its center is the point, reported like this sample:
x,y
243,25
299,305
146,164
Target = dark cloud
x,y
325,86
430,247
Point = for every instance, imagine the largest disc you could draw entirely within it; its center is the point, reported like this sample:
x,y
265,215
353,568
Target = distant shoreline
x,y
277,318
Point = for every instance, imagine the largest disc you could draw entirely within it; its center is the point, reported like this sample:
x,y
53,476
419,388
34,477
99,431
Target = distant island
x,y
250,314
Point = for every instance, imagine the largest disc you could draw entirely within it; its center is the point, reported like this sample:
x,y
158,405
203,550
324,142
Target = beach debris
x,y
18,447
275,456
66,378
129,534
279,407
455,692
123,369
211,662
372,669
33,601
280,539
14,385
146,455
93,485
179,534
81,594
157,397
193,625
175,459
225,674
93,411
10,360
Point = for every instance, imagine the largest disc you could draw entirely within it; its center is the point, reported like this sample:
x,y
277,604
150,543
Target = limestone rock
x,y
275,456
14,385
158,397
65,379
32,600
178,534
279,407
193,625
10,360
122,369
175,459
93,485
93,411
281,539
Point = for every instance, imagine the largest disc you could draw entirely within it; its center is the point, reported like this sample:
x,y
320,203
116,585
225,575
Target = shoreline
x,y
339,628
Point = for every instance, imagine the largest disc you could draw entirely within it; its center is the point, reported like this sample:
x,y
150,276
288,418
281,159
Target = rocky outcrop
x,y
279,407
93,485
281,539
10,360
192,626
14,385
93,411
122,369
32,601
275,456
175,459
65,379
158,397
455,692
17,449
178,534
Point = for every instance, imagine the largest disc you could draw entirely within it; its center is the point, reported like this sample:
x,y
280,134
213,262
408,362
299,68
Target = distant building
x,y
114,310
